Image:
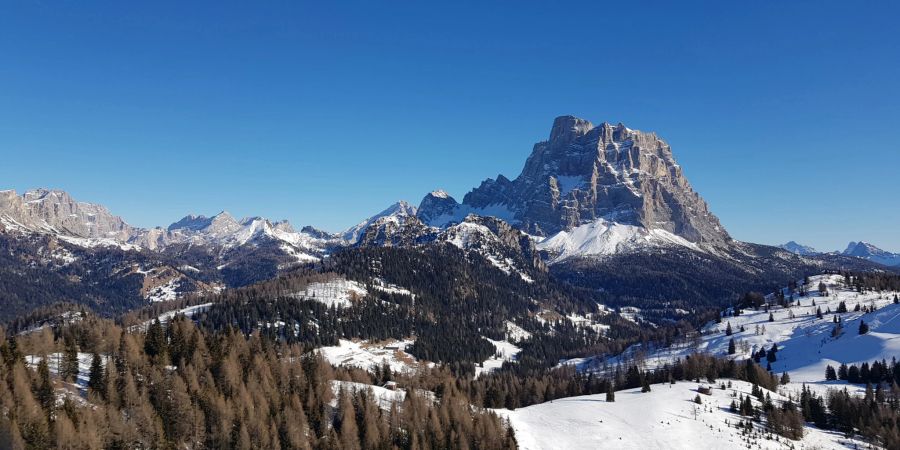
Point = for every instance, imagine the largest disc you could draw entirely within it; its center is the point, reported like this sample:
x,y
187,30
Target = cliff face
x,y
583,173
55,210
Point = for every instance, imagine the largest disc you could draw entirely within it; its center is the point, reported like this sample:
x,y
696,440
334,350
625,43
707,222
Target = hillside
x,y
664,418
805,342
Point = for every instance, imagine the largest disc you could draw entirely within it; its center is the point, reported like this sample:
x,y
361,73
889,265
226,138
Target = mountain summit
x,y
585,174
870,252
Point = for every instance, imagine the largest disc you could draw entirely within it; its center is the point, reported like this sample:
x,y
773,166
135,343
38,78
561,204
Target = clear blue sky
x,y
785,115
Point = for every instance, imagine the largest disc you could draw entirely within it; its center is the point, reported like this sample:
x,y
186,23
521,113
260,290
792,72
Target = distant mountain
x,y
395,213
872,253
592,190
799,249
58,235
56,212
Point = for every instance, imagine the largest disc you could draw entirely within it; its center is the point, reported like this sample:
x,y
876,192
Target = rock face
x,y
584,173
56,211
503,245
438,208
398,212
404,230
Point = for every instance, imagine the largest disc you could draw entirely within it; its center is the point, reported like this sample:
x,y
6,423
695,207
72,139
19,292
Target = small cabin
x,y
391,385
704,389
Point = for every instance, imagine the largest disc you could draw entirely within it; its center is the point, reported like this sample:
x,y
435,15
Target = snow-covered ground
x,y
389,288
164,292
188,312
335,292
367,355
383,396
602,237
665,418
805,343
515,333
98,242
54,360
504,352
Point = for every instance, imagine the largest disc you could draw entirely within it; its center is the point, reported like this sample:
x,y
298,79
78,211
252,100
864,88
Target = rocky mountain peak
x,y
870,252
396,212
566,129
53,210
799,249
437,208
585,173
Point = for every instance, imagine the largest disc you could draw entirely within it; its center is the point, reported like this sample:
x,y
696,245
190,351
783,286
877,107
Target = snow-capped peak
x,y
868,251
394,212
799,249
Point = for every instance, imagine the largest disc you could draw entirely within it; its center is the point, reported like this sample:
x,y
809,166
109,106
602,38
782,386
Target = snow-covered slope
x,y
799,249
393,213
870,252
602,237
506,248
370,355
665,418
805,342
338,292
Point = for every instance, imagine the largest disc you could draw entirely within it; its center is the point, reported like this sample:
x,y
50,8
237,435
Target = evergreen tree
x,y
830,374
96,380
863,327
731,347
69,369
610,393
785,378
728,329
44,392
155,341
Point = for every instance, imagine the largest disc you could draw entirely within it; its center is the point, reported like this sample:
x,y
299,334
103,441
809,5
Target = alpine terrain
x,y
592,300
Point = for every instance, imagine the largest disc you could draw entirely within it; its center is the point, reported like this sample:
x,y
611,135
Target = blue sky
x,y
784,114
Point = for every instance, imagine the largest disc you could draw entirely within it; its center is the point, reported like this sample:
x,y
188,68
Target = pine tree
x,y
771,317
863,327
155,341
44,392
731,347
728,329
96,381
830,374
610,393
645,386
69,369
785,378
772,354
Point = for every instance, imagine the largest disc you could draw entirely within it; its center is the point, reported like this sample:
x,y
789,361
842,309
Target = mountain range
x,y
862,250
587,195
